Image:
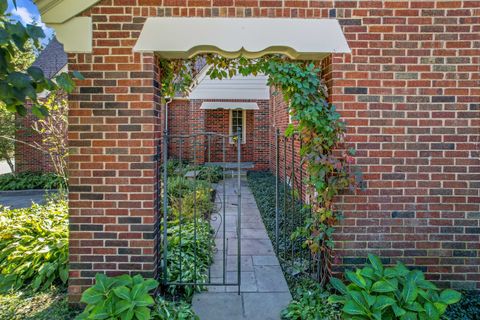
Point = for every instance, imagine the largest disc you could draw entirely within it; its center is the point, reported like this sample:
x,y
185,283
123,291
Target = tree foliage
x,y
317,123
18,86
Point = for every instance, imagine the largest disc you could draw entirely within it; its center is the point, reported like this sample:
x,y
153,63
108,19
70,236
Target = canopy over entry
x,y
230,105
183,38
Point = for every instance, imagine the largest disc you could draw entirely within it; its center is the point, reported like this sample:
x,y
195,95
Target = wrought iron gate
x,y
292,210
190,152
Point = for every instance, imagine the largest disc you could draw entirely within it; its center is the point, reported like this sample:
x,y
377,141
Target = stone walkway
x,y
264,291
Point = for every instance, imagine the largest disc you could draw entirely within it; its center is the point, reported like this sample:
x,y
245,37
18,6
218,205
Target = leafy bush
x,y
188,260
201,200
310,302
164,310
467,309
380,293
180,186
31,180
34,246
122,297
212,174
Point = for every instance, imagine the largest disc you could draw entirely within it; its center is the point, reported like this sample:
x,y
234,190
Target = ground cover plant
x,y
34,246
383,293
31,180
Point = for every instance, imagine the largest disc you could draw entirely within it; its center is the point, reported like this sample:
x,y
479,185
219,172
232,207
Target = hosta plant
x,y
380,293
34,246
181,310
119,298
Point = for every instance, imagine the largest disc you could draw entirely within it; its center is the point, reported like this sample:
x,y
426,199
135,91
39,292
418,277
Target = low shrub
x,y
34,246
467,309
31,180
380,293
181,310
198,203
310,302
189,255
178,187
212,174
126,297
122,297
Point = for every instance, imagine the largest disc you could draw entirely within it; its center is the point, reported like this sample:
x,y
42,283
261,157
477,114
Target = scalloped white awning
x,y
229,105
181,38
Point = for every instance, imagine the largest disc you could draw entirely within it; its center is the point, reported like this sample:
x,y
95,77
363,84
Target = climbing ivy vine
x,y
317,123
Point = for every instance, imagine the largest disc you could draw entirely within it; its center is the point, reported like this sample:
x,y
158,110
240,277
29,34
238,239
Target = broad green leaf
x,y
336,299
383,286
415,306
144,300
450,296
368,298
35,32
127,315
122,306
376,263
390,273
150,284
441,307
397,310
36,73
92,296
409,292
122,292
142,313
356,279
431,311
409,316
425,284
353,309
338,285
382,302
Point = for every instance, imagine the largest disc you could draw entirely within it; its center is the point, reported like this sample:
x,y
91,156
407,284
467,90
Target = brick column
x,y
113,133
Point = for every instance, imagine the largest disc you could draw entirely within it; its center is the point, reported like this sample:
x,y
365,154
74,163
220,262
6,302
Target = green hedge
x,y
31,180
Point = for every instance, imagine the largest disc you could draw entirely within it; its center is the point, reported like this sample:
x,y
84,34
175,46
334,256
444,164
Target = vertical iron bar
x,y
165,205
277,174
284,198
224,158
209,146
293,213
195,210
180,209
239,208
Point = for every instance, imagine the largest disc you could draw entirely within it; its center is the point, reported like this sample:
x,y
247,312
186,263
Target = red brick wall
x,y
409,92
186,117
27,157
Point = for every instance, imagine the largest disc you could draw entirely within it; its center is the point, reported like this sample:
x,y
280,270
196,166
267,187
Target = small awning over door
x,y
182,38
230,105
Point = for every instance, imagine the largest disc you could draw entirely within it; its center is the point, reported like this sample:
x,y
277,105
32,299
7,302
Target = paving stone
x,y
218,306
270,279
265,306
265,261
